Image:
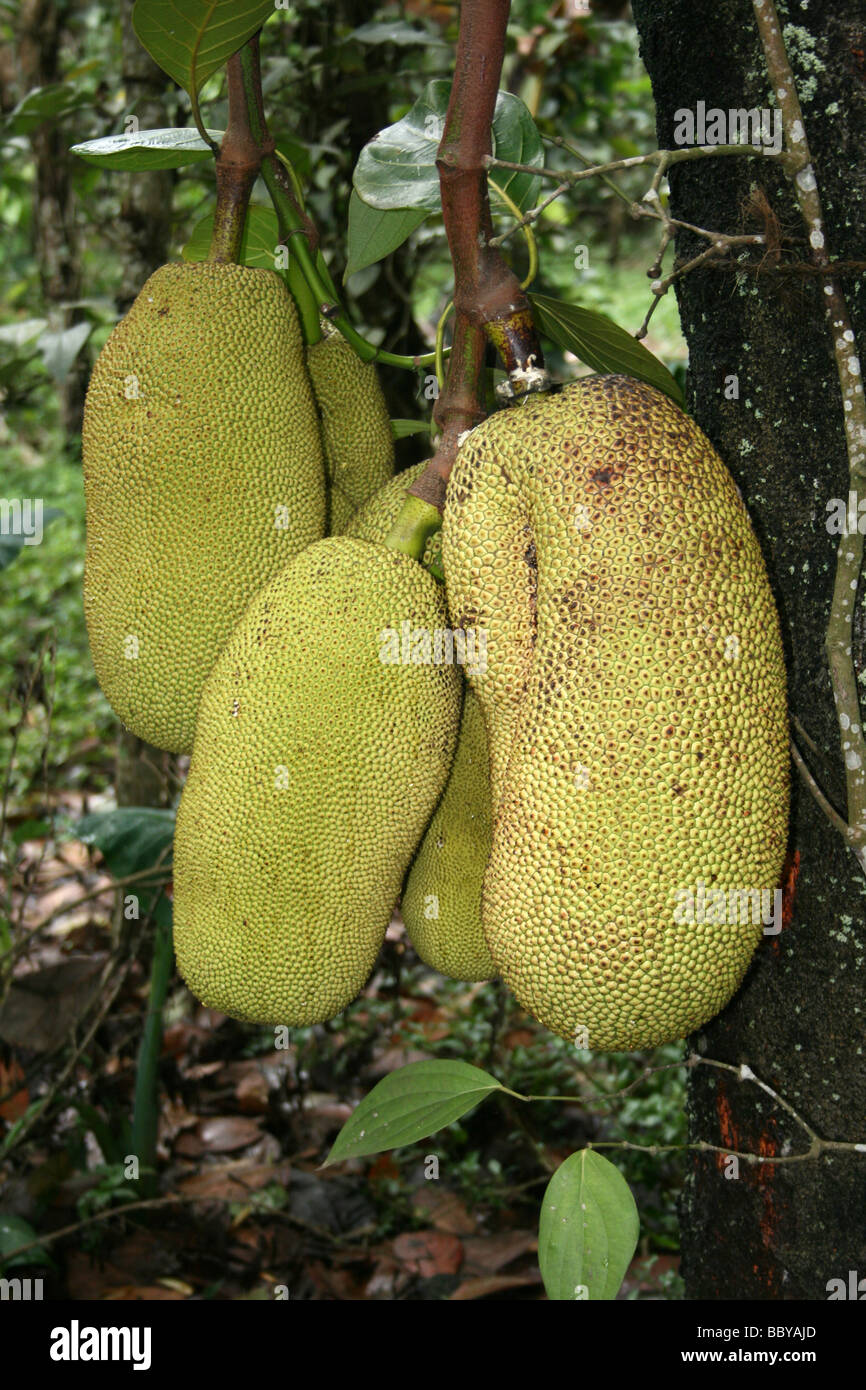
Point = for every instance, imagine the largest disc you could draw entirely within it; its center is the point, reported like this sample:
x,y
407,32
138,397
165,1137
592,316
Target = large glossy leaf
x,y
601,343
190,39
397,168
131,838
166,148
375,232
410,1104
134,838
258,243
588,1229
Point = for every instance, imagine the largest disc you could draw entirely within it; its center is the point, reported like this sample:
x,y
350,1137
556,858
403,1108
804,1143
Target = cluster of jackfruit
x,y
215,448
619,738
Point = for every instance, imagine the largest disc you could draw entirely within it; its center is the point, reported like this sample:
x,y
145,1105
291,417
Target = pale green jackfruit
x,y
319,756
203,476
441,902
356,429
375,517
635,699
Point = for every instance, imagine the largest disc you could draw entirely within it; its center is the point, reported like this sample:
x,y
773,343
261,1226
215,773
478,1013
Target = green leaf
x,y
297,153
396,32
43,104
131,838
190,39
401,428
30,830
588,1229
516,138
14,541
374,232
14,1231
59,348
258,243
410,1104
397,168
169,147
601,343
22,333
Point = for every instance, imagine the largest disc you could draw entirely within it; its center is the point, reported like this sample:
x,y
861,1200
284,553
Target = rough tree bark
x,y
40,31
144,776
779,1231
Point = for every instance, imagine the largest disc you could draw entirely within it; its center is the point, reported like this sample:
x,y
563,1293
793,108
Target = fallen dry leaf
x,y
492,1283
14,1098
487,1254
43,1005
218,1134
235,1181
444,1210
428,1252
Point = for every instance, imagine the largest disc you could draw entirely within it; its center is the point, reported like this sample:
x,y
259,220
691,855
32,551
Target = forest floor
x,y
239,1206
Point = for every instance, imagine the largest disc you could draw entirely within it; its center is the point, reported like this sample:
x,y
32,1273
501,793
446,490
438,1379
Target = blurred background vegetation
x,y
77,245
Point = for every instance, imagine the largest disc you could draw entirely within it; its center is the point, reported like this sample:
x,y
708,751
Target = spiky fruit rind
x,y
441,902
356,429
647,743
317,762
203,476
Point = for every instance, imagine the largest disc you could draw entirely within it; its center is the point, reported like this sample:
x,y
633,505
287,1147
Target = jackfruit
x,y
441,902
645,767
356,430
203,476
323,743
375,517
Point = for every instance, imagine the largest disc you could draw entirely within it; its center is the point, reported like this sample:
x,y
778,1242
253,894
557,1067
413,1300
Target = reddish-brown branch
x,y
489,303
237,165
459,408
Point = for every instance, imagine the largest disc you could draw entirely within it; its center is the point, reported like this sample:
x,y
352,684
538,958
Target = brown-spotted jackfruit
x,y
644,772
324,739
441,901
203,476
356,430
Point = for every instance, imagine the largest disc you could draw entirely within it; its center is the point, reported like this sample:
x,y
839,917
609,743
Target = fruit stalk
x,y
489,303
237,165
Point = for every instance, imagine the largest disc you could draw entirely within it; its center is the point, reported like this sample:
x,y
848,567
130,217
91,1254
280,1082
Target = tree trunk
x,y
779,1231
144,776
40,27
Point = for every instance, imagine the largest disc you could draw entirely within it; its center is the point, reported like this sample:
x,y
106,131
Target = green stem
x,y
306,304
145,1117
416,522
532,245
